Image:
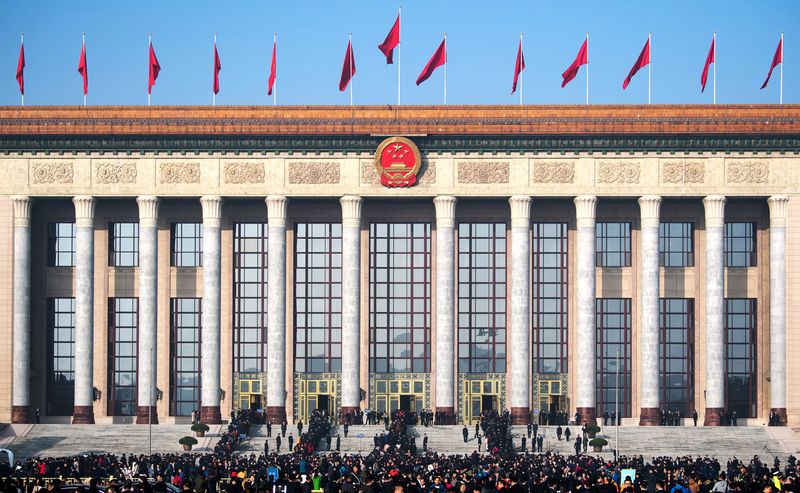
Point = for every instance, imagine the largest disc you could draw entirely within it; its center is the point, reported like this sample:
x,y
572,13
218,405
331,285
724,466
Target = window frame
x,y
176,341
539,333
687,249
114,254
602,239
751,316
54,240
729,239
60,396
113,361
176,250
626,360
665,343
240,347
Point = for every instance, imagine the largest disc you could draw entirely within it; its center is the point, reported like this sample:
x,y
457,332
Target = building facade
x,y
579,259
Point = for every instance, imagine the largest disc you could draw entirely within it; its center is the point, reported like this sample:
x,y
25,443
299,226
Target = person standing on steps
x,y
539,442
291,443
328,442
559,432
694,417
465,432
530,429
299,427
425,443
477,429
346,429
578,443
278,444
523,443
269,429
283,428
338,442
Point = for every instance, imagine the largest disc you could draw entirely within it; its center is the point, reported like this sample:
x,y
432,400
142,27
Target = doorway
x,y
405,402
392,395
488,403
318,394
255,402
323,402
480,396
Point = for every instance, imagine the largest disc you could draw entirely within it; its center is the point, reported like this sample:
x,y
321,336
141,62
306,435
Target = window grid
x,y
740,245
123,330
250,297
613,332
613,244
185,344
676,244
676,317
482,297
187,245
740,356
61,245
123,245
550,297
399,297
318,297
60,356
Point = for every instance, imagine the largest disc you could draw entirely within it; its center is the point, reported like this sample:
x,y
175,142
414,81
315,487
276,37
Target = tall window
x,y
740,356
250,297
677,354
123,330
613,339
187,245
740,245
185,338
399,297
676,244
613,244
550,297
61,245
123,245
318,298
60,356
482,297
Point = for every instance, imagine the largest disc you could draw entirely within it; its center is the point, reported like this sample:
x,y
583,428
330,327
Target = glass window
x,y
550,297
187,245
61,356
61,245
676,244
740,245
250,297
123,245
123,329
613,244
740,360
613,355
677,354
185,337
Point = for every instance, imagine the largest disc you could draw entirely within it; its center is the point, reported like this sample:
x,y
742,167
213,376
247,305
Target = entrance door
x,y
405,402
391,395
479,396
255,402
323,402
250,391
487,403
554,404
316,394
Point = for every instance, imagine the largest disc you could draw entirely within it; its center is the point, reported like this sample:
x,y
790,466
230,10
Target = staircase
x,y
254,443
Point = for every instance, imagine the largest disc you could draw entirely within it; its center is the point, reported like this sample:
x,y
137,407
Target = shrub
x,y
598,442
200,427
592,429
188,441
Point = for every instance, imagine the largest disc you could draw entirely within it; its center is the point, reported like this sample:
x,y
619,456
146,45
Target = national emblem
x,y
397,161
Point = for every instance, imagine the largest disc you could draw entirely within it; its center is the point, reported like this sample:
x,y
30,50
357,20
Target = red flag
x,y
518,67
21,69
154,68
272,68
581,59
709,60
83,69
348,68
642,61
438,59
777,59
391,41
217,68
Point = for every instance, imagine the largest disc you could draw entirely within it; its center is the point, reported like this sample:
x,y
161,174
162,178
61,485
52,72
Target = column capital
x,y
520,211
276,210
445,210
148,210
351,210
650,210
212,210
22,210
715,210
84,210
777,210
585,210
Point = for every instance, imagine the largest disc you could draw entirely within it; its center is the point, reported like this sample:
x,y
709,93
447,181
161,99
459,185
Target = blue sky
x,y
482,39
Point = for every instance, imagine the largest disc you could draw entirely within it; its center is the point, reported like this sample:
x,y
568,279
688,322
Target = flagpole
x,y
350,65
83,46
587,69
149,44
649,65
399,34
520,74
22,44
275,84
213,94
714,92
445,69
780,101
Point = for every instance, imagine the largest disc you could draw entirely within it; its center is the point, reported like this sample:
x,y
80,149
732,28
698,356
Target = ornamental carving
x,y
52,172
679,172
427,173
623,172
312,173
369,175
554,172
109,172
238,173
180,172
483,172
747,172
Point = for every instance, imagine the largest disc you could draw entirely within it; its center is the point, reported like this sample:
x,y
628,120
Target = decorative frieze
x,y
483,172
313,173
427,173
52,172
747,171
619,172
239,173
678,172
553,172
113,172
179,172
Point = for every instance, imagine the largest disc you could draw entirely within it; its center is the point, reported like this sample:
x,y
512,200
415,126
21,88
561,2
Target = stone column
x,y
586,374
715,309
520,308
445,306
276,320
20,395
146,411
83,412
351,304
210,354
650,392
777,305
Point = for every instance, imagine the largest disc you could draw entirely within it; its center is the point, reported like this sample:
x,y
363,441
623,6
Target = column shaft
x,y
276,320
586,374
649,394
351,304
83,412
146,412
777,306
210,354
445,307
715,309
520,309
20,393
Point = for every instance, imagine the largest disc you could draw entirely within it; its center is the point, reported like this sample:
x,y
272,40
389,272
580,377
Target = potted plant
x,y
187,443
200,429
598,444
592,430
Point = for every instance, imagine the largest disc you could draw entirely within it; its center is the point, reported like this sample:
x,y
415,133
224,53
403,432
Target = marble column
x,y
649,327
276,320
520,309
83,411
146,411
715,309
445,306
210,354
586,374
351,304
777,305
21,370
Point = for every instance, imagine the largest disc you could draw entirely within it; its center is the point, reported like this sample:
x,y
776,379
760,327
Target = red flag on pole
x,y
83,69
391,42
519,66
709,60
154,68
21,69
217,68
642,61
348,68
272,68
581,59
777,59
438,59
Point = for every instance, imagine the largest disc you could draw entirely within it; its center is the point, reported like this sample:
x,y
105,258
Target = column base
x,y
83,415
586,415
20,415
347,409
713,416
446,415
781,413
650,416
276,414
210,415
520,415
143,417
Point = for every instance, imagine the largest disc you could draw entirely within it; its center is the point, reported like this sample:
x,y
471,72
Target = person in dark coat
x,y
291,443
328,442
338,442
694,417
578,444
567,434
269,429
465,432
559,432
283,428
539,442
425,443
278,444
299,427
